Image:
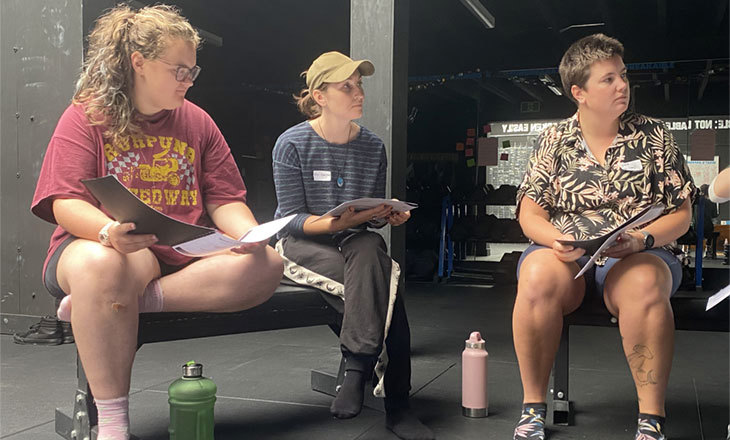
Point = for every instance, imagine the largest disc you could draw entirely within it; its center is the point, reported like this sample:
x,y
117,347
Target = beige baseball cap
x,y
332,67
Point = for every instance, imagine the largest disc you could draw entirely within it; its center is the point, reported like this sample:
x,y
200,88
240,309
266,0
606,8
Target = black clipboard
x,y
125,207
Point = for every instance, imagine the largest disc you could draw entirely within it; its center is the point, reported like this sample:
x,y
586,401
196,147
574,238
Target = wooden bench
x,y
291,306
689,314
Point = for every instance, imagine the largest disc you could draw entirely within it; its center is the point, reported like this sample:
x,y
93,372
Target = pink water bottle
x,y
474,391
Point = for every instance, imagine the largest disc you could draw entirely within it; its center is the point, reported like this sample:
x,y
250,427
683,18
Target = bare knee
x,y
91,265
91,270
272,270
541,284
651,288
642,287
257,277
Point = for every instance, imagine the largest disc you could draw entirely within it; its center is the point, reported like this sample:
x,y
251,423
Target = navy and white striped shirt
x,y
306,168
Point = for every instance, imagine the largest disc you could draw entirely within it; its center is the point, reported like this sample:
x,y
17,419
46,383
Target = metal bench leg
x,y
81,425
326,383
561,371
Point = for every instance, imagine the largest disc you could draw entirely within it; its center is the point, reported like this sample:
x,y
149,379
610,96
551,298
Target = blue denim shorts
x,y
595,277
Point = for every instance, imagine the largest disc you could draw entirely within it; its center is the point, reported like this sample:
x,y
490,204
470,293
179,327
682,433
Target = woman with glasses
x,y
129,118
318,164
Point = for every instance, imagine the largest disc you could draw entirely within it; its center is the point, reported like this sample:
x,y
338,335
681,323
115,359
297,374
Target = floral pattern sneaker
x,y
649,428
532,424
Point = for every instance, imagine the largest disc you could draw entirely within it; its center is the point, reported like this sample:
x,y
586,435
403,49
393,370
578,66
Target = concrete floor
x,y
264,391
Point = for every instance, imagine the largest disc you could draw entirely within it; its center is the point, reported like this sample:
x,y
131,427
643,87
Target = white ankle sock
x,y
150,301
113,418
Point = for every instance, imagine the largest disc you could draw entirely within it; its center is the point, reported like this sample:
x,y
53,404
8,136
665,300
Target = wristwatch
x,y
648,240
104,234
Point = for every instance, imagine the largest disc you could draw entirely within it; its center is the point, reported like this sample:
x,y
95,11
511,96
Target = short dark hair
x,y
575,67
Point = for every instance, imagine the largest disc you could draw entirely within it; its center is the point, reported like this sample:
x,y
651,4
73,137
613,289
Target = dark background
x,y
246,84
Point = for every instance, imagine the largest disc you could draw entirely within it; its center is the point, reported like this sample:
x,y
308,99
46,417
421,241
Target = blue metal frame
x,y
699,248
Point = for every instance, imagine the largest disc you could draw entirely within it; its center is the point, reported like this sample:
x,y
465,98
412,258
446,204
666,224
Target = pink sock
x,y
113,418
64,309
150,301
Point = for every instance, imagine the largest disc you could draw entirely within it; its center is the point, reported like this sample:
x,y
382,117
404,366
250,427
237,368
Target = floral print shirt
x,y
643,166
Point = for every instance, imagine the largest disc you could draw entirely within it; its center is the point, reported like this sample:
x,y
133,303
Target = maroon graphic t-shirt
x,y
180,164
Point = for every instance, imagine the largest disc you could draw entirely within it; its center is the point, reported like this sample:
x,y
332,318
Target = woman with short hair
x,y
587,175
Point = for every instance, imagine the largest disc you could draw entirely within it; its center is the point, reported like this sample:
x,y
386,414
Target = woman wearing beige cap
x,y
318,164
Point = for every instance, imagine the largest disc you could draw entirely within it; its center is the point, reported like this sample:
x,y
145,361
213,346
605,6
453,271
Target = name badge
x,y
634,165
322,176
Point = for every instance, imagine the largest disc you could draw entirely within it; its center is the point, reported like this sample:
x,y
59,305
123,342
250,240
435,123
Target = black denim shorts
x,y
51,281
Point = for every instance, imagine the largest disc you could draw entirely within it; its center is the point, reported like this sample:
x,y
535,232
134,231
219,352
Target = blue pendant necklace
x,y
340,181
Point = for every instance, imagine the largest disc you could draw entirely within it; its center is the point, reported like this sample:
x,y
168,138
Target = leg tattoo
x,y
640,355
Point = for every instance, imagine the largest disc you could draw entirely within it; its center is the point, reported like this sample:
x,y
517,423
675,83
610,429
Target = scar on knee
x,y
118,306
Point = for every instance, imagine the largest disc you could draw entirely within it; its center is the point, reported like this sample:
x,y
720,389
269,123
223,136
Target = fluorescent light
x,y
477,8
574,26
546,79
555,90
550,84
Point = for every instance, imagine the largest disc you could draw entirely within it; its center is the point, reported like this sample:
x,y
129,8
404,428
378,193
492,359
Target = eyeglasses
x,y
183,73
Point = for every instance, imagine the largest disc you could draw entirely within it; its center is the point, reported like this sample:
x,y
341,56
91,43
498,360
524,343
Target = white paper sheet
x,y
717,298
650,215
368,203
217,242
266,230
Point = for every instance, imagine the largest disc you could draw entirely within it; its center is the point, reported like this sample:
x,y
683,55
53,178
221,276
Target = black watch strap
x,y
648,240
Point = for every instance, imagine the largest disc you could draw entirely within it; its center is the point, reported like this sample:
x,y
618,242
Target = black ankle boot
x,y
47,331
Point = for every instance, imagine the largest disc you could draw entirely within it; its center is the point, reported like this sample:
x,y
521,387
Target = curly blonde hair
x,y
107,77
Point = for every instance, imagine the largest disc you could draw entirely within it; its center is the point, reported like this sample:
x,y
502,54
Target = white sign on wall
x,y
535,127
703,171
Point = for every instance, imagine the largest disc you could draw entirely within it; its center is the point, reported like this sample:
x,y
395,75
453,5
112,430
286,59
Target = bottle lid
x,y
192,369
475,341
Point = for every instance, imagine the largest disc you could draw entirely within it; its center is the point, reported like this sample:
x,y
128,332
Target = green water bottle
x,y
192,398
